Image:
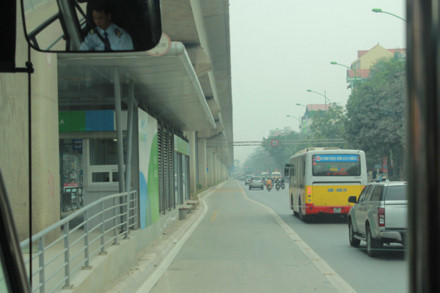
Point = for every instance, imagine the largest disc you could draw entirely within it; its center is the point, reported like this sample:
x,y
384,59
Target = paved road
x,y
329,238
241,246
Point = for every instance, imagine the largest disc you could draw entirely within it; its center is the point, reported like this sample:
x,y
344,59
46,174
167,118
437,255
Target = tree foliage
x,y
258,162
272,156
325,125
375,115
288,145
374,121
329,124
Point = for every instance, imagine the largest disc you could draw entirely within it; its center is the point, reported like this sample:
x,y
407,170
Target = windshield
x,y
396,193
336,165
145,158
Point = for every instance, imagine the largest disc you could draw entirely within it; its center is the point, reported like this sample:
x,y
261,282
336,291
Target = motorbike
x,y
283,186
268,186
277,186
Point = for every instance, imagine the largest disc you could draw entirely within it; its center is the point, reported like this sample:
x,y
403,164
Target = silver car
x,y
256,182
379,216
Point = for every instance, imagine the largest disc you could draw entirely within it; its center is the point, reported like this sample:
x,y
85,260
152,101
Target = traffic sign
x,y
274,142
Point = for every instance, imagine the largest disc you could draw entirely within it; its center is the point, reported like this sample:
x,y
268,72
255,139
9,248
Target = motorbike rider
x,y
269,182
279,183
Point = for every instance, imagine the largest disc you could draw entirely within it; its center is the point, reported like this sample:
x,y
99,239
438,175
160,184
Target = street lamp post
x,y
305,119
324,95
299,121
348,67
378,10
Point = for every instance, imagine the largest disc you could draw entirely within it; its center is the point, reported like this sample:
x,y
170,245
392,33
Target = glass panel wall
x,y
71,174
185,177
103,161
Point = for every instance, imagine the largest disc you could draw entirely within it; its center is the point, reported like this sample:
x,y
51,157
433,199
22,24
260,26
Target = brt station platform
x,y
142,116
108,103
137,115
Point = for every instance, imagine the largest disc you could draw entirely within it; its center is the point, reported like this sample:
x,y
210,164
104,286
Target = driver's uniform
x,y
118,38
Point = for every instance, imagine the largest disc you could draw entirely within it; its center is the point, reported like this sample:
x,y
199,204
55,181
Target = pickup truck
x,y
379,215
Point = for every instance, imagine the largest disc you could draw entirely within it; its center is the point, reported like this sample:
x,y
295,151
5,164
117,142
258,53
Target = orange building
x,y
360,68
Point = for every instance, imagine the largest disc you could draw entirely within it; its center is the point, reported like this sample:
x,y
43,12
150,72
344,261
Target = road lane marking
x,y
337,281
213,216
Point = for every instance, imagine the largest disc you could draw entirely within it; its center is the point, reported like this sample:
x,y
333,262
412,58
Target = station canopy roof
x,y
167,86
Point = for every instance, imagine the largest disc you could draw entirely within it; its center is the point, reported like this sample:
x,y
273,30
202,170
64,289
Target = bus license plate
x,y
336,210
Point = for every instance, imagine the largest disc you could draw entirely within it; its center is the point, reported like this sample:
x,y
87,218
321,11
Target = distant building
x,y
360,68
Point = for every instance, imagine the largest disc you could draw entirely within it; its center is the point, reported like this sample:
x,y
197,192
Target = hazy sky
x,y
281,48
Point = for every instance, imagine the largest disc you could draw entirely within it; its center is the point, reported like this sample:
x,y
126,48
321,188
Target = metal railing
x,y
80,237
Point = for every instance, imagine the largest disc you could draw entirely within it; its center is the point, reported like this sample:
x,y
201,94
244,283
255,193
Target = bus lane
x,y
238,247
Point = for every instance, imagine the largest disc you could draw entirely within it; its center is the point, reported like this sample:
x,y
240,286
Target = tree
x,y
375,116
329,124
282,147
258,162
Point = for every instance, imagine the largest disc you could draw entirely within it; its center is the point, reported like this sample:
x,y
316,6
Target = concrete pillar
x,y
14,135
45,142
219,174
224,172
45,145
215,167
203,163
191,135
210,167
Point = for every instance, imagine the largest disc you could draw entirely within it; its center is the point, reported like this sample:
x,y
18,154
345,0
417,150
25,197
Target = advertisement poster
x,y
148,170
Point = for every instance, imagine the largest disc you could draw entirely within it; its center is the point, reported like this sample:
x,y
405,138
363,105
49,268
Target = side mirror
x,y
352,199
93,25
289,170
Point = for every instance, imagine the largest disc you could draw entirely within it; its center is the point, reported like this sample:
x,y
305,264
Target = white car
x,y
256,182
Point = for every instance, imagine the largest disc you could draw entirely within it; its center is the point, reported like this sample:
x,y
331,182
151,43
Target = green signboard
x,y
181,146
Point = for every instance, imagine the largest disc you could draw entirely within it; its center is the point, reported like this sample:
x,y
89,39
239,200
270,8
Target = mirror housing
x,y
289,170
352,199
8,23
65,25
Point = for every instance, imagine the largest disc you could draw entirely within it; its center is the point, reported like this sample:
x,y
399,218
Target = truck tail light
x,y
381,217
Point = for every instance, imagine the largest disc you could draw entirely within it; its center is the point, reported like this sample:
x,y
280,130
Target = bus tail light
x,y
381,217
309,194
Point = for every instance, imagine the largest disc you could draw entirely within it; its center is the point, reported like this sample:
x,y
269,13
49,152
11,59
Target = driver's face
x,y
101,19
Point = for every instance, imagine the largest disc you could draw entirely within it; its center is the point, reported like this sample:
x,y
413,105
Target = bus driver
x,y
110,38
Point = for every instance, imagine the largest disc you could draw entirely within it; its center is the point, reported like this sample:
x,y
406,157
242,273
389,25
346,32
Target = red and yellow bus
x,y
322,179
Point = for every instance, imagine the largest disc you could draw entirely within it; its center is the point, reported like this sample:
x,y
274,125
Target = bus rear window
x,y
336,165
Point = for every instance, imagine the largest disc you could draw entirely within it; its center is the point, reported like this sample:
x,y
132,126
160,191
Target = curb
x,y
151,260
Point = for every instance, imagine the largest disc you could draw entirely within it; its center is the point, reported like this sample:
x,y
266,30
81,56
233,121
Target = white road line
x,y
337,281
